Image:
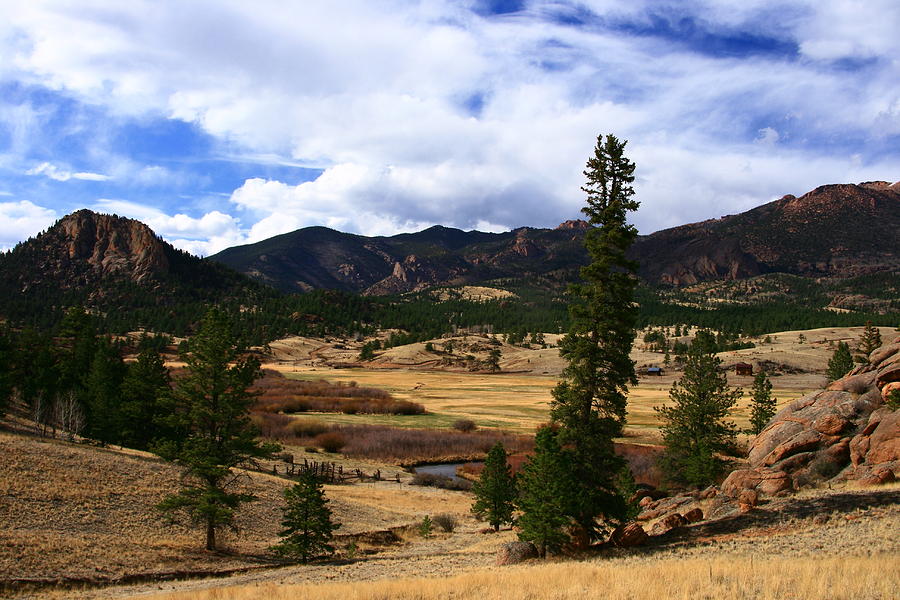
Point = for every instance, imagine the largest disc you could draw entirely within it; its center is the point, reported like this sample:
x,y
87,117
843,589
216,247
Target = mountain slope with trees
x,y
837,231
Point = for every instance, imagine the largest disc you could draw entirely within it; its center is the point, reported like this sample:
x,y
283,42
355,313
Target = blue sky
x,y
226,122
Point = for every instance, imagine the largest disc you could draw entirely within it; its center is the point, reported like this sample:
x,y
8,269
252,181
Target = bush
x,y
893,400
465,425
445,522
308,427
332,441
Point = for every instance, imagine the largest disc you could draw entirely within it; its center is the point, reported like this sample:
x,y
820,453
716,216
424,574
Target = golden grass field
x,y
519,401
718,578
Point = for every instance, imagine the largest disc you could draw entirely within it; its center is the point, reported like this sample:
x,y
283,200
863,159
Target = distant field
x,y
519,401
516,403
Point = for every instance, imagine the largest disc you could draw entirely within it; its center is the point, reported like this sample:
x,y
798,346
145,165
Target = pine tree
x,y
211,403
495,490
307,525
493,360
544,487
589,401
145,383
869,341
6,369
103,394
840,363
762,404
694,427
425,527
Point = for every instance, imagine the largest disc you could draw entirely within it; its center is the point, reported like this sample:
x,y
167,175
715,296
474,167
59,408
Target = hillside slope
x,y
115,266
841,230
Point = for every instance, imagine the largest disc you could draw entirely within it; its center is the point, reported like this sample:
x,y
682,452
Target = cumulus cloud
x,y
20,220
207,234
422,113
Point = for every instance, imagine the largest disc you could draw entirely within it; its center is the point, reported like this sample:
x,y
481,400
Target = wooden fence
x,y
327,472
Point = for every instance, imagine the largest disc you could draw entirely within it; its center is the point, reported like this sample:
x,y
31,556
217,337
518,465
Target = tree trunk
x,y
210,535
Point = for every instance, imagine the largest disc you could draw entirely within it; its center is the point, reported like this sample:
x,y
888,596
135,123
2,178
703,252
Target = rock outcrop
x,y
843,432
628,536
512,553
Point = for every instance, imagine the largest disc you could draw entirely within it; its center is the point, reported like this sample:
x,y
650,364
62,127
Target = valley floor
x,y
819,544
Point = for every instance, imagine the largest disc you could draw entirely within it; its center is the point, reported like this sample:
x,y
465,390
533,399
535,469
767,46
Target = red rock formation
x,y
111,244
844,430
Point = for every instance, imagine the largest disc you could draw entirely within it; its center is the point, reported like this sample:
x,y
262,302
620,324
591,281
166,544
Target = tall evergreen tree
x,y
307,525
77,346
869,341
143,388
495,490
840,362
6,369
694,427
211,402
589,400
103,393
544,492
762,404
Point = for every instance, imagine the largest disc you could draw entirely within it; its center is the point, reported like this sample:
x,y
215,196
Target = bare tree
x,y
41,414
68,414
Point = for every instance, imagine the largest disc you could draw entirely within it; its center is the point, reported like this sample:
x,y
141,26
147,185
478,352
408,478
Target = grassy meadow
x,y
720,578
514,402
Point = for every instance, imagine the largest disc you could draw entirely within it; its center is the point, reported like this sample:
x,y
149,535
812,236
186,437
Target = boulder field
x,y
844,432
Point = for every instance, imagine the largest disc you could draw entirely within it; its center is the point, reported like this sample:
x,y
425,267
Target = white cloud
x,y
210,233
23,219
767,137
424,113
59,174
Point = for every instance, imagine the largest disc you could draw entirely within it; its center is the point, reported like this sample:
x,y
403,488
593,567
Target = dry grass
x,y
73,512
724,578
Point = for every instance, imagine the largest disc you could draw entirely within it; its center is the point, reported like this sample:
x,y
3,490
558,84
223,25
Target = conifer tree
x,y
694,427
762,404
840,362
544,489
495,490
143,388
6,369
307,528
589,401
103,393
211,403
869,341
493,360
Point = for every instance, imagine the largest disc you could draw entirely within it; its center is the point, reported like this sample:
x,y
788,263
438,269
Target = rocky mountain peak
x,y
574,224
109,244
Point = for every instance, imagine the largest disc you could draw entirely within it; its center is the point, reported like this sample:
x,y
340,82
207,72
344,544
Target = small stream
x,y
445,469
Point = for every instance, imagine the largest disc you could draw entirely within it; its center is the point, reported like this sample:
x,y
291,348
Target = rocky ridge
x,y
841,230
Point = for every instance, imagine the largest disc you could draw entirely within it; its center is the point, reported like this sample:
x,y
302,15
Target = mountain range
x,y
119,268
834,231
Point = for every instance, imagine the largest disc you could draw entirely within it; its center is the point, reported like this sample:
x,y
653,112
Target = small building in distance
x,y
742,368
657,371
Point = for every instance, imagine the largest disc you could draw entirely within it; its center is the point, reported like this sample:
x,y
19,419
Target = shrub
x,y
893,400
465,425
308,427
445,521
332,441
419,445
425,527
